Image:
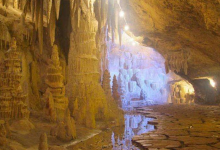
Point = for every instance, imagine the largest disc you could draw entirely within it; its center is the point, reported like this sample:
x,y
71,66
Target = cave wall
x,y
177,25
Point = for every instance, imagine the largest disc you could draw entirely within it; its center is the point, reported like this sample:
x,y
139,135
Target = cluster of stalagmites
x,y
180,94
177,61
12,99
13,105
56,102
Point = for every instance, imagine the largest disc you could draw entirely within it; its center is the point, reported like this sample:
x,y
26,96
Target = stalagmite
x,y
106,83
43,145
56,101
13,100
115,92
70,125
3,133
66,129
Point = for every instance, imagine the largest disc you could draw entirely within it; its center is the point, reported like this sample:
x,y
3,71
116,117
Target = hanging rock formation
x,y
177,61
56,101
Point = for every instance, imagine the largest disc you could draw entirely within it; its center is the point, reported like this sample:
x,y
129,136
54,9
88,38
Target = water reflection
x,y
134,125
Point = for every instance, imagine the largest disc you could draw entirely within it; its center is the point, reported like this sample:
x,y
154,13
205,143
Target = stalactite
x,y
36,14
41,27
32,9
99,16
78,17
26,7
119,32
109,15
57,6
4,2
71,4
177,61
52,24
116,13
103,2
113,21
49,7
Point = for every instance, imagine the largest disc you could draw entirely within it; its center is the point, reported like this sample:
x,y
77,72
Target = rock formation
x,y
106,83
115,92
43,145
56,101
177,61
181,92
84,85
65,130
3,134
13,100
5,36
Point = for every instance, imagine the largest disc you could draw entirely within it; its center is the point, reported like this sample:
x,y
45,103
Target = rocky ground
x,y
186,127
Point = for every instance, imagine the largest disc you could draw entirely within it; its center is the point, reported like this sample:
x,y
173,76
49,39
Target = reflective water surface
x,y
134,125
116,138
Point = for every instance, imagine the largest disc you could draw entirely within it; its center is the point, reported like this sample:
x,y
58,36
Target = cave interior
x,y
109,74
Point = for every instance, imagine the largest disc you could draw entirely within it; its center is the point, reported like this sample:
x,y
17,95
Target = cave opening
x,y
64,27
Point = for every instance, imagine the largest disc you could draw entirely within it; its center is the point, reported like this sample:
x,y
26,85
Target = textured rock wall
x,y
180,25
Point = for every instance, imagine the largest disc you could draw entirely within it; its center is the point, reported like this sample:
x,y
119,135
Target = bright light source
x,y
126,28
131,39
133,43
212,82
121,14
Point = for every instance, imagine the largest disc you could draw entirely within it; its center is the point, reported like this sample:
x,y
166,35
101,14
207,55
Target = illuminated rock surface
x,y
81,70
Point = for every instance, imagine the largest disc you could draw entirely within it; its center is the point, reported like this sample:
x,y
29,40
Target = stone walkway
x,y
182,127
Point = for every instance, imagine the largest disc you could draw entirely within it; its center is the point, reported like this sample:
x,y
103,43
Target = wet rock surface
x,y
187,127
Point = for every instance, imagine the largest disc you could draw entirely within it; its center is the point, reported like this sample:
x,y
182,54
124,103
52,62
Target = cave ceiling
x,y
172,25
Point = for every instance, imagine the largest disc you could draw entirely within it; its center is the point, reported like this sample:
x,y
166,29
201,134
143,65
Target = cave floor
x,y
186,127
